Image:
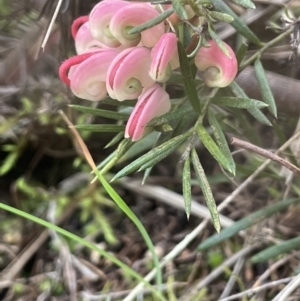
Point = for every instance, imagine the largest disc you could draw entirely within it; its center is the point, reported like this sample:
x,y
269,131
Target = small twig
x,y
51,24
257,289
271,269
121,294
267,46
233,277
265,153
227,263
287,291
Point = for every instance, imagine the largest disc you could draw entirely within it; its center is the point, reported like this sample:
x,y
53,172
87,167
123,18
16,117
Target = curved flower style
x,y
153,102
100,19
164,57
128,74
82,36
219,69
88,74
133,15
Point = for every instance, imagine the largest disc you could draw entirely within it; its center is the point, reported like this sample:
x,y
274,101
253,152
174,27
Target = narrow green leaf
x,y
139,147
241,103
245,223
113,128
126,209
241,52
265,87
186,187
160,151
256,113
209,198
99,112
274,251
179,10
115,140
166,118
238,24
167,13
220,139
188,79
221,16
114,102
245,3
212,147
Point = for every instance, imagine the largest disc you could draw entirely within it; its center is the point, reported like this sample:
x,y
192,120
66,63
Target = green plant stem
x,y
83,242
265,47
205,107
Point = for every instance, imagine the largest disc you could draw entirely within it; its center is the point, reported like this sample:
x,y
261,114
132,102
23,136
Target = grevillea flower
x,y
82,35
133,15
219,69
153,102
128,74
164,57
100,19
87,73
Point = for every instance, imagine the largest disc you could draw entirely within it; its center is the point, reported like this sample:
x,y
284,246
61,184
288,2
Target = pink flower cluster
x,y
112,61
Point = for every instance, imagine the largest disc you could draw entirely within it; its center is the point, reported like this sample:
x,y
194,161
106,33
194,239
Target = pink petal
x,y
77,24
88,79
128,74
100,19
164,57
153,102
85,41
219,69
70,62
133,15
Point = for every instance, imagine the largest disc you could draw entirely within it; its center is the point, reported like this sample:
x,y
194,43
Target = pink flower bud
x,y
100,19
83,37
153,102
133,15
164,57
128,74
88,74
219,69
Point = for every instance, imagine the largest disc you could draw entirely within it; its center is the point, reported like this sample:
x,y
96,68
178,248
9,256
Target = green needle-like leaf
x,y
186,187
241,103
245,3
99,112
112,128
214,150
221,17
274,251
179,10
220,138
166,118
160,151
245,223
265,87
188,79
241,52
255,112
209,198
238,24
167,13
